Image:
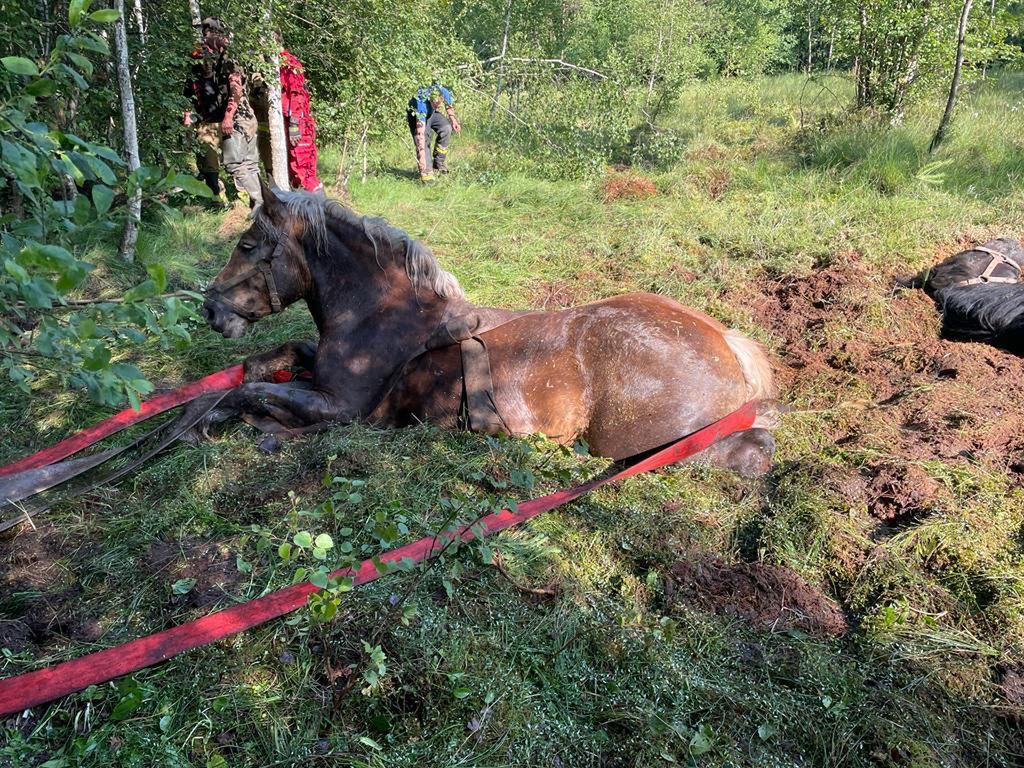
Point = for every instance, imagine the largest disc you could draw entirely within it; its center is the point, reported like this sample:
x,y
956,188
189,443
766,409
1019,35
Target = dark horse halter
x,y
265,266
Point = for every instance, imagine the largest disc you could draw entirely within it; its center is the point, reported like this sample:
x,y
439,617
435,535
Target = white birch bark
x,y
954,86
278,139
501,59
131,138
197,19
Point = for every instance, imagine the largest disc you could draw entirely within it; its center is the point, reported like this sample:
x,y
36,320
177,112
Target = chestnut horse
x,y
627,374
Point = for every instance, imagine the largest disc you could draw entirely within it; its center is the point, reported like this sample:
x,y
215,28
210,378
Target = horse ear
x,y
272,205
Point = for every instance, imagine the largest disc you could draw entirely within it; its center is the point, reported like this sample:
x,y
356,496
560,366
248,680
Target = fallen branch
x,y
523,60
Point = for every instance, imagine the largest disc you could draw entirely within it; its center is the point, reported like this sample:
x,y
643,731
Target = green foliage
x,y
47,221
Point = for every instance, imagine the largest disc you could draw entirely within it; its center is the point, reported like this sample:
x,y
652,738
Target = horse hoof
x,y
270,444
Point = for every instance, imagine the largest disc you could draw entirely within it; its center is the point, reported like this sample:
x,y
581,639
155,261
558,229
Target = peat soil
x,y
865,353
768,597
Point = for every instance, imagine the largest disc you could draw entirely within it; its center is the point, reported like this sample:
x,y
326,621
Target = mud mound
x,y
1011,686
212,568
767,596
891,492
845,338
627,186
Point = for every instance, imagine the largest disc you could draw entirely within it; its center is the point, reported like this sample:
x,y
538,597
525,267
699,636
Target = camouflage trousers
x,y
239,154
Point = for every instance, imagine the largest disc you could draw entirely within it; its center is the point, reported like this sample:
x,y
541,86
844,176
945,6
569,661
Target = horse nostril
x,y
208,311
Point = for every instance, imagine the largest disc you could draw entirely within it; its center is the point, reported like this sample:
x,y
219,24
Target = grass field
x,y
861,605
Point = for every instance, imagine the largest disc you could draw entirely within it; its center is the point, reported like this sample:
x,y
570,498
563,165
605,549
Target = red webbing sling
x,y
215,382
32,688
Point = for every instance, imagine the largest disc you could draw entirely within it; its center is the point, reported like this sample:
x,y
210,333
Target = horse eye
x,y
246,246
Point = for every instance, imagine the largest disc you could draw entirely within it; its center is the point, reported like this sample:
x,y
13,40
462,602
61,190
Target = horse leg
x,y
300,354
275,408
748,453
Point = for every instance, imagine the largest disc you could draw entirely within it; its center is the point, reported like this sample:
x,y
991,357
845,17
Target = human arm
x,y
235,95
449,109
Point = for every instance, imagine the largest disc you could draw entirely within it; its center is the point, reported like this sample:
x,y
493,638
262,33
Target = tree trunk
x,y
278,140
197,19
501,60
991,21
954,86
810,39
140,21
131,139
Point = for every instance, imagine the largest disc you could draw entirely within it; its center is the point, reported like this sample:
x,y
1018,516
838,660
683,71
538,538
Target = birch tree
x,y
131,138
954,86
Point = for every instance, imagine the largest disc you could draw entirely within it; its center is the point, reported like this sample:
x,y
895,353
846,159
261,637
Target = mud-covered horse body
x,y
627,374
980,294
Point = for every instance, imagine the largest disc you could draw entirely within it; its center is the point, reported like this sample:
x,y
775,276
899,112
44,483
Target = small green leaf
x,y
75,9
303,539
105,16
701,741
285,551
143,290
183,586
191,185
81,62
216,760
19,65
128,704
41,87
159,275
461,693
370,742
165,723
324,541
102,197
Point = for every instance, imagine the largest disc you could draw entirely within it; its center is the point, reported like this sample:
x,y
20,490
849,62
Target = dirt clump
x,y
890,491
1010,681
627,185
212,568
769,597
849,343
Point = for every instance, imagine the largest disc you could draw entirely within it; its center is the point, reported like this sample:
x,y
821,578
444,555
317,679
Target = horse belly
x,y
429,392
659,372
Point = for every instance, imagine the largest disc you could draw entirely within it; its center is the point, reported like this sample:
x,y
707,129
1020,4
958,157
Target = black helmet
x,y
213,23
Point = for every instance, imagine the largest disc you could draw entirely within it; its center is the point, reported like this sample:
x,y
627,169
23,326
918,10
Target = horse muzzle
x,y
224,320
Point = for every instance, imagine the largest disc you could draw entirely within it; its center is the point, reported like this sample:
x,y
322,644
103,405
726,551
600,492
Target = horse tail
x,y
754,362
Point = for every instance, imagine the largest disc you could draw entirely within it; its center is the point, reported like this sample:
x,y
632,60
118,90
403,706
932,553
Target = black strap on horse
x,y
264,266
996,260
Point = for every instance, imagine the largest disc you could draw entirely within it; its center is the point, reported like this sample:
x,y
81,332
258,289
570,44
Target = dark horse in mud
x,y
980,293
627,374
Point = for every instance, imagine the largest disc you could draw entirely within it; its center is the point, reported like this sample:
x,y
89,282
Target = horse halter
x,y
996,259
265,266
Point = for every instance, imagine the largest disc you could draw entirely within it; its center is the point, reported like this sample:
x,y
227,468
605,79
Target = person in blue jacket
x,y
431,117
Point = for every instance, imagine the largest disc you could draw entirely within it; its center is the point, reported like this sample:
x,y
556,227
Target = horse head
x,y
267,270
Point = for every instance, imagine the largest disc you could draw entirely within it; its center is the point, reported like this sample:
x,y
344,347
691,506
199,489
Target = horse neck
x,y
350,284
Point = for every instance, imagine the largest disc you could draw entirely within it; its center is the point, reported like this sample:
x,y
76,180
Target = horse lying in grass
x,y
628,374
980,294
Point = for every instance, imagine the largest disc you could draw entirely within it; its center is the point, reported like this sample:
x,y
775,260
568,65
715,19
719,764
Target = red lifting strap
x,y
215,382
27,690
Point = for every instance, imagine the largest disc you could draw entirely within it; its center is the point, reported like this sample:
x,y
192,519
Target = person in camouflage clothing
x,y
431,113
227,123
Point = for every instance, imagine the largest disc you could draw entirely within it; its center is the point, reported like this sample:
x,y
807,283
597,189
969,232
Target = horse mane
x,y
316,211
967,264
